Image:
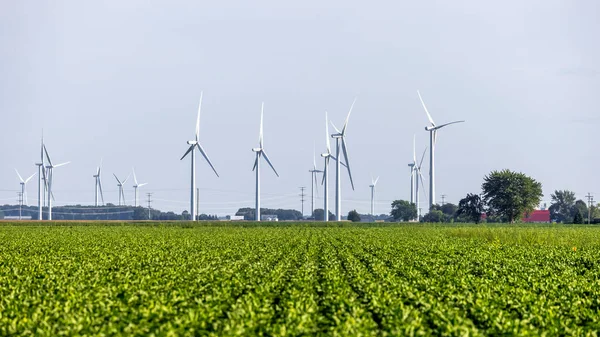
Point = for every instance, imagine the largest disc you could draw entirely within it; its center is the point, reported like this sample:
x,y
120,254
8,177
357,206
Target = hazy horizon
x,y
121,81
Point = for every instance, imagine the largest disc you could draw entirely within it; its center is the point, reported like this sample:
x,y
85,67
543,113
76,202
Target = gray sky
x,y
120,80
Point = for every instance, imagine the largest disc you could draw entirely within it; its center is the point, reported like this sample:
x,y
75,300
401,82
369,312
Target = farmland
x,y
299,280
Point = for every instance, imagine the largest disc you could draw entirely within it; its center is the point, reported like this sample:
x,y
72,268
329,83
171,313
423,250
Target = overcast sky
x,y
120,80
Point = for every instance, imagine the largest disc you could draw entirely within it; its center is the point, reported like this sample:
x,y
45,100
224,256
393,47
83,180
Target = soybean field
x,y
292,280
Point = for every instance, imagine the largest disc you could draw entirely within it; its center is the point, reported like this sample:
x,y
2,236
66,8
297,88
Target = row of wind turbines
x,y
341,149
46,169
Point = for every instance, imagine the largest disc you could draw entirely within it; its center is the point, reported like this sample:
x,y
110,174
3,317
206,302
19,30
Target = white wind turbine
x,y
49,180
24,187
98,189
120,185
432,139
372,186
260,152
340,145
314,185
196,144
135,188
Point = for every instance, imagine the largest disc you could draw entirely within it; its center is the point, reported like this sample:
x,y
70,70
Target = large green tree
x,y
511,194
580,208
434,216
471,207
403,210
561,209
353,216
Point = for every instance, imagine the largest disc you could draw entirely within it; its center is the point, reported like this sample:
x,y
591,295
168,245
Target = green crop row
x,y
299,280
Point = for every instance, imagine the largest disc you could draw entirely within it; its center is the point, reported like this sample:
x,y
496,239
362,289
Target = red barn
x,y
538,216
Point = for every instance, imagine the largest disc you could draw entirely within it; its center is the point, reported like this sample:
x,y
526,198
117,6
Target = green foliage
x,y
353,216
561,209
471,207
510,194
578,217
283,280
282,214
403,210
434,216
319,215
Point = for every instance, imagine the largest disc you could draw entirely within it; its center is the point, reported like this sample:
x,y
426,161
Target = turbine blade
x,y
61,164
335,158
117,179
426,111
101,193
188,151
422,157
345,150
255,162
28,179
314,157
348,117
124,181
134,177
269,162
326,164
327,135
25,198
47,156
20,178
376,180
142,184
206,157
198,118
260,133
336,129
422,184
414,149
441,126
316,184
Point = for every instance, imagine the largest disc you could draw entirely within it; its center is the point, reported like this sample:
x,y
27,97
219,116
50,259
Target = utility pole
x,y
443,199
302,195
590,199
149,204
20,194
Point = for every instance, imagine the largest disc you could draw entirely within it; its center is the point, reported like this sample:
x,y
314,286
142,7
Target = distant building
x,y
24,217
269,217
538,216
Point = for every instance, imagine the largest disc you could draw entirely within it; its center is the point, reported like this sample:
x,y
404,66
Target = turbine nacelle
x,y
192,142
257,149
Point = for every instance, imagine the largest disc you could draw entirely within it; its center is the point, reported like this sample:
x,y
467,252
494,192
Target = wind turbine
x,y
260,152
49,180
432,139
135,188
340,145
196,144
24,186
314,172
120,184
98,185
412,166
372,186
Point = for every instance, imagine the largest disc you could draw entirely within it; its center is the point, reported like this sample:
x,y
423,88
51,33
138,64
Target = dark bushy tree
x,y
434,216
403,210
511,194
319,215
471,207
561,209
578,218
353,216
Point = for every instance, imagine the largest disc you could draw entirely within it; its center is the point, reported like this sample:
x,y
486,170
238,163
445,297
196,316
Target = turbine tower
x,y
41,171
98,185
196,144
326,156
412,166
432,139
135,188
49,180
260,152
24,187
120,185
372,186
419,177
340,145
314,185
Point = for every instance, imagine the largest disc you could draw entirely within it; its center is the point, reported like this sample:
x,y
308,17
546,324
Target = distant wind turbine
x,y
340,138
24,187
120,185
98,185
50,179
260,152
135,187
372,186
314,185
432,139
196,144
